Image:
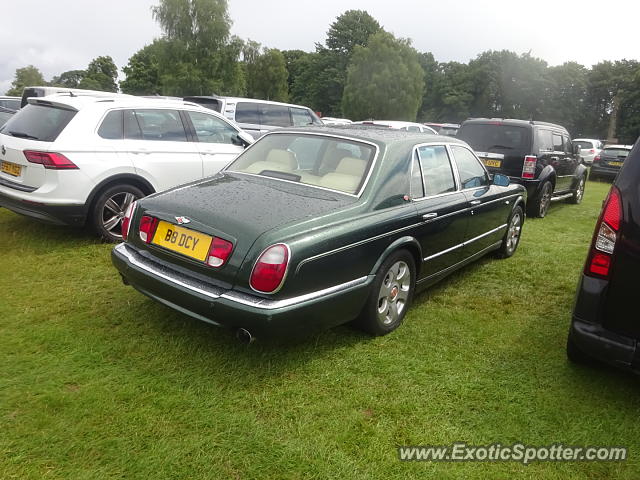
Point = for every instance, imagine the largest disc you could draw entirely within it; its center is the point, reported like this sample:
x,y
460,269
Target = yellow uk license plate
x,y
11,169
492,163
182,240
615,164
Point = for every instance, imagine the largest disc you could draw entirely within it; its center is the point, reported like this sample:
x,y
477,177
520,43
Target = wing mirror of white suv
x,y
245,139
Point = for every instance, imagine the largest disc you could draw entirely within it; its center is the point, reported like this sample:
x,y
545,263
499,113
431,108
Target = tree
x,y
564,101
384,80
143,70
68,79
352,28
101,74
267,76
25,77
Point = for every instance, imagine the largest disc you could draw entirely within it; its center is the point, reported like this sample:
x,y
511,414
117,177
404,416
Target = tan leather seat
x,y
277,159
347,177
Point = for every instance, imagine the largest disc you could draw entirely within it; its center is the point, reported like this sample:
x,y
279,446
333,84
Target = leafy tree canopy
x,y
25,77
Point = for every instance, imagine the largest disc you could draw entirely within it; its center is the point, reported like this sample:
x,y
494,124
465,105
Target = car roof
x,y
382,136
243,99
80,101
627,147
514,121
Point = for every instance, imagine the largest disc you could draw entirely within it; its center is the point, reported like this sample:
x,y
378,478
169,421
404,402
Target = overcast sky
x,y
61,35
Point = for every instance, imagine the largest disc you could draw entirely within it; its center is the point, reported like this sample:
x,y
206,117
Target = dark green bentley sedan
x,y
319,226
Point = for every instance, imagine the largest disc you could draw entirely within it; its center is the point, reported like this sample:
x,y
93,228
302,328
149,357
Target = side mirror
x,y
245,139
501,180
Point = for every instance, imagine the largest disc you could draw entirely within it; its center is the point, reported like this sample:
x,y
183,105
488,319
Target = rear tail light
x,y
596,159
147,228
270,269
605,236
219,252
529,167
592,151
126,221
52,161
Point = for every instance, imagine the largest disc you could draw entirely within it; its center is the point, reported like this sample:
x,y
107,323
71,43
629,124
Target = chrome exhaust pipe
x,y
244,336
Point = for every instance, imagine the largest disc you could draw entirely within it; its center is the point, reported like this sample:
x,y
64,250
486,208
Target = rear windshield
x,y
583,144
14,104
615,152
327,162
38,122
485,137
210,103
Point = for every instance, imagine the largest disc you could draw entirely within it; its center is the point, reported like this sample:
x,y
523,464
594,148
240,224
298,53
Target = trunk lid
x,y
237,208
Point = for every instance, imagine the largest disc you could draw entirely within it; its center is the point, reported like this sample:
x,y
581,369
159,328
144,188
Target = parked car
x,y
589,148
43,91
538,155
314,227
336,121
71,159
258,117
609,161
12,103
399,125
450,129
605,323
5,115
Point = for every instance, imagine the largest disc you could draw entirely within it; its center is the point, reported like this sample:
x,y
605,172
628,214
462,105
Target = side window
x,y
247,112
210,129
301,117
412,128
436,170
274,115
111,127
131,128
417,189
558,145
472,173
545,141
161,125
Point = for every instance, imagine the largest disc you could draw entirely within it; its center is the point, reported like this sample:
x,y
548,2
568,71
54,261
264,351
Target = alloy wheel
x,y
513,234
114,210
394,293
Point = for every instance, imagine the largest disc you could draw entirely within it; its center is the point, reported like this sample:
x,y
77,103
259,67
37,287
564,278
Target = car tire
x,y
511,238
578,193
540,207
391,295
576,355
109,209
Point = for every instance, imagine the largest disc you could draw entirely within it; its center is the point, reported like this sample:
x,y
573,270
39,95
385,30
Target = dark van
x,y
538,155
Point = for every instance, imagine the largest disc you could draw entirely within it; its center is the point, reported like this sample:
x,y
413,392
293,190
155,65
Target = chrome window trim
x,y
464,244
482,165
244,299
456,180
374,161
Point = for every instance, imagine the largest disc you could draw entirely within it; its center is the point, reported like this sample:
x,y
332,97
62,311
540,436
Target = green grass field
x,y
97,381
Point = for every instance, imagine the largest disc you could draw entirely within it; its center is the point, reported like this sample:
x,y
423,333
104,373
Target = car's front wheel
x,y
109,209
391,294
511,238
578,193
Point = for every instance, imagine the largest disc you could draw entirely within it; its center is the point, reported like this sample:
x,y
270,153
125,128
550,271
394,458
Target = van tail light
x,y
596,159
605,237
126,221
51,161
529,167
147,228
270,269
219,252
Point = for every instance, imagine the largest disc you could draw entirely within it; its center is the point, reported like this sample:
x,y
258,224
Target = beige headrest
x,y
283,157
351,166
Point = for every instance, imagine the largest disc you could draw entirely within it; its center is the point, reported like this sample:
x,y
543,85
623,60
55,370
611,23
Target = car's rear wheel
x,y
511,238
578,193
109,209
391,294
540,206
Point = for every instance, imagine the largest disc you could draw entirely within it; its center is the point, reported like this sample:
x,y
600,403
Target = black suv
x,y
538,155
605,322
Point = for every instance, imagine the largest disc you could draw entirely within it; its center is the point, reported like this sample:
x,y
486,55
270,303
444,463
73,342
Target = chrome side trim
x,y
462,262
464,244
267,304
241,298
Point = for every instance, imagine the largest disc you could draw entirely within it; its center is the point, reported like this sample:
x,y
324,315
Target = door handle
x,y
475,202
429,216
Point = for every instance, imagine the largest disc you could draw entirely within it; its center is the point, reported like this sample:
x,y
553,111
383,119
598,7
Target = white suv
x,y
70,159
589,148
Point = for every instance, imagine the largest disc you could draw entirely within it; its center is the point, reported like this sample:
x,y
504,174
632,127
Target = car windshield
x,y
615,152
327,162
489,137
